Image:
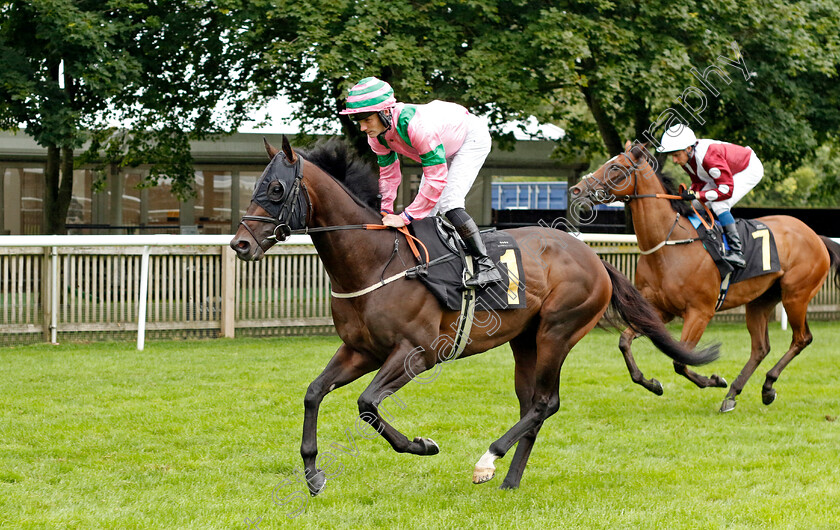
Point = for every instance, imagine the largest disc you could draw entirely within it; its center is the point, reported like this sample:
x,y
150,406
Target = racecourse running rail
x,y
89,287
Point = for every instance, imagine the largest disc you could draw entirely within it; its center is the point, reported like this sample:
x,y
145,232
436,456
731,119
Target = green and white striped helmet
x,y
369,95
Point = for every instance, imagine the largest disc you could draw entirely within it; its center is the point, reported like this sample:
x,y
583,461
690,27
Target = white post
x,y
54,295
144,288
784,319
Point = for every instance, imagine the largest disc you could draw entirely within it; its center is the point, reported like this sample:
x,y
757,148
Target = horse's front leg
x,y
693,327
403,365
636,375
346,366
758,314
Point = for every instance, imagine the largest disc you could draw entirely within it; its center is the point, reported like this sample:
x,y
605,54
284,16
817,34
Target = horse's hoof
x,y
317,483
429,446
508,486
656,387
768,396
718,381
728,405
483,474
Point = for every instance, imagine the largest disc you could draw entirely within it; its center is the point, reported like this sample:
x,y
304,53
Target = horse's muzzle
x,y
245,250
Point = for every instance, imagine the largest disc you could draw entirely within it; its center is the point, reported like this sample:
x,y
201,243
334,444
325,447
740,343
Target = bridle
x,y
294,209
295,205
634,168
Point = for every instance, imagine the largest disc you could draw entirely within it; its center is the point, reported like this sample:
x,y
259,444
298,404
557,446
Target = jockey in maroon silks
x,y
721,174
449,143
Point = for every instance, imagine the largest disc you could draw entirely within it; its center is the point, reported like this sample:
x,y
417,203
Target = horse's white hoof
x,y
483,474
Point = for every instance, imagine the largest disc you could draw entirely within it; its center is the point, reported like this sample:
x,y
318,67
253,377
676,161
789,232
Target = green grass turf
x,y
202,434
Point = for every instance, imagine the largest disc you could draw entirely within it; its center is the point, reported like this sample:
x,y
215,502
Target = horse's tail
x,y
834,252
642,317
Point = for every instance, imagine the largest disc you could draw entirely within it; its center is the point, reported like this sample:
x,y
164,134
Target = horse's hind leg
x,y
693,327
758,314
545,402
525,353
801,338
558,332
798,286
627,337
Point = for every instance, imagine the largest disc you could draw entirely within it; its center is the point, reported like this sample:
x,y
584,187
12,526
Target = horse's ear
x,y
287,149
640,150
627,145
270,149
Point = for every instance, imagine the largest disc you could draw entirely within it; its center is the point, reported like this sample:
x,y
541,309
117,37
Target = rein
x,y
412,244
627,198
383,281
292,208
288,208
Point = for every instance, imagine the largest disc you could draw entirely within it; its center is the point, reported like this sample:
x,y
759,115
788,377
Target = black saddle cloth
x,y
446,271
758,245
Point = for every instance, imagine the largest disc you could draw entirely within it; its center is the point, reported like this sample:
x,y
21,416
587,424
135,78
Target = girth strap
x,y
724,288
465,319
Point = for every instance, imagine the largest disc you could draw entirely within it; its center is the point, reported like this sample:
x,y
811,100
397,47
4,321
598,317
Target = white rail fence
x,y
170,286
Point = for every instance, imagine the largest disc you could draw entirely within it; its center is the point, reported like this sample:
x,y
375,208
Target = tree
x,y
604,71
815,184
170,71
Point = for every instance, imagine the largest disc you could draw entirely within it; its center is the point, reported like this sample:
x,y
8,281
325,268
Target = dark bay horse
x,y
682,280
401,330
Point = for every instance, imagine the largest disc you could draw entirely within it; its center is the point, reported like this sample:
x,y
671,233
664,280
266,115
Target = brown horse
x,y
401,329
682,280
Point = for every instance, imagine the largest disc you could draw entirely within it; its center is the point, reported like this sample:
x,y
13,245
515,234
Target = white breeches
x,y
463,167
743,182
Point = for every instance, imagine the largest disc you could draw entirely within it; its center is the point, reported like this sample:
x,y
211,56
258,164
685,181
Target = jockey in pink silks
x,y
449,143
721,174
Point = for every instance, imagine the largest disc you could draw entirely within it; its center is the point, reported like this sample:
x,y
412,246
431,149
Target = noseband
x,y
626,198
634,167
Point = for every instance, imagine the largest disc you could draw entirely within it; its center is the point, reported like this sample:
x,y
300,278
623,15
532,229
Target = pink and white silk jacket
x,y
429,134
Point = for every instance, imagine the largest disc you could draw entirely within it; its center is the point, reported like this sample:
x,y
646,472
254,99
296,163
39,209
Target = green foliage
x,y
604,71
200,434
171,71
815,184
181,70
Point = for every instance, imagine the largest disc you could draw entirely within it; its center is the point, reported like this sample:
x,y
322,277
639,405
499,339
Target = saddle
x,y
759,247
447,269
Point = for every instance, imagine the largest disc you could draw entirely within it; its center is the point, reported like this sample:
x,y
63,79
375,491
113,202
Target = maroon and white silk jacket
x,y
713,167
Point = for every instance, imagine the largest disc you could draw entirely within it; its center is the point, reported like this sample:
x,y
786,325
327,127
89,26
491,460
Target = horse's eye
x,y
616,173
275,192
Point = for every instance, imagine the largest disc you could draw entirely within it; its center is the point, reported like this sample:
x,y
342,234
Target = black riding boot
x,y
467,229
735,256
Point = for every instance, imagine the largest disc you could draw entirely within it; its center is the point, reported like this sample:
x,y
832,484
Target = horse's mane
x,y
669,183
678,205
336,159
